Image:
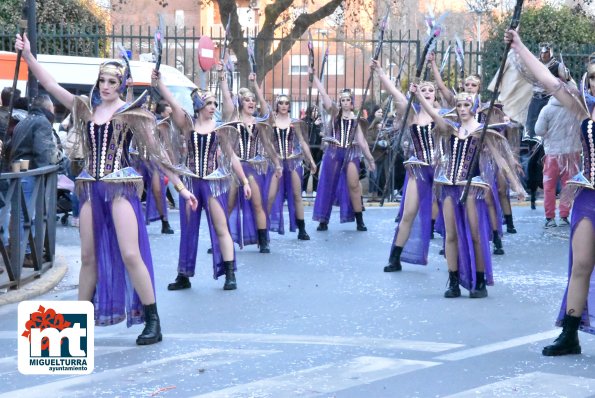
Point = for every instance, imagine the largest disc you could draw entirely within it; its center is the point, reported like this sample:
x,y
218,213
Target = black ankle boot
x,y
230,276
453,285
567,343
481,290
152,332
181,282
323,226
509,224
165,227
394,261
263,242
302,234
498,248
533,198
359,219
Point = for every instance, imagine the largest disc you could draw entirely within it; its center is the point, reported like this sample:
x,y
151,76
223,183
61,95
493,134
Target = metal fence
x,y
347,66
38,231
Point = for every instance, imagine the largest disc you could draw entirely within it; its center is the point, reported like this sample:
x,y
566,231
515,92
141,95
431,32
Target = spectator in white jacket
x,y
562,147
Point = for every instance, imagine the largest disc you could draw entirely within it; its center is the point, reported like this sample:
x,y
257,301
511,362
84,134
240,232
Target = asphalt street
x,y
321,319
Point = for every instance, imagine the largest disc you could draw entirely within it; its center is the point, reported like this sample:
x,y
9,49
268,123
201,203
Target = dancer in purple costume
x,y
116,269
467,226
413,233
338,183
248,219
155,186
578,301
210,154
498,201
291,148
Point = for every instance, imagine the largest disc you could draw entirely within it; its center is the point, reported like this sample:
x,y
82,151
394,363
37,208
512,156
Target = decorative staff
x,y
310,77
251,54
514,23
157,53
460,58
445,58
223,53
5,123
375,58
322,68
429,46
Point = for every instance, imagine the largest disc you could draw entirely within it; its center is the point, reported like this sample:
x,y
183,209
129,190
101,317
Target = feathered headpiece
x,y
473,78
199,98
468,97
114,68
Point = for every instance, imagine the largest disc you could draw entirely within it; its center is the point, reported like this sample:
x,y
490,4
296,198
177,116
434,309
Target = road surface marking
x,y
324,379
208,357
413,345
535,384
502,345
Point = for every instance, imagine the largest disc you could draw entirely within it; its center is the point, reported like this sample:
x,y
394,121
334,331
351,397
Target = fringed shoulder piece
x,y
143,125
497,148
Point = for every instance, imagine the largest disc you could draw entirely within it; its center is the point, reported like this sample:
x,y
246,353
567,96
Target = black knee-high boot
x,y
394,261
481,290
432,233
230,276
453,285
359,219
509,224
152,332
302,234
567,343
263,242
498,248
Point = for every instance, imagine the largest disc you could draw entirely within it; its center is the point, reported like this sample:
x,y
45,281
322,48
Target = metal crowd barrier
x,y
39,232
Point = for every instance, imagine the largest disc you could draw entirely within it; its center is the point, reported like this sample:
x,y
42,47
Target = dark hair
x,y
6,93
41,101
21,103
160,108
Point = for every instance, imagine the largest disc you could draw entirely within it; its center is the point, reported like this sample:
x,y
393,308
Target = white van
x,y
79,74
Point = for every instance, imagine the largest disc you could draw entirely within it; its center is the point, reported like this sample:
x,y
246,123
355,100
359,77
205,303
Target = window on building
x,y
335,65
179,19
299,65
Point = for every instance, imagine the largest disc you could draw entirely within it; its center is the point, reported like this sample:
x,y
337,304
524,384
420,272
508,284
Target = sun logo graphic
x,y
56,337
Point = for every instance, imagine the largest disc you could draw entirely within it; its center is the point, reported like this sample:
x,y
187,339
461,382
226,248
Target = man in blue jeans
x,y
32,140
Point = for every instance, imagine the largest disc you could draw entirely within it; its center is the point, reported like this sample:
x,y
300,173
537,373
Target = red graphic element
x,y
43,319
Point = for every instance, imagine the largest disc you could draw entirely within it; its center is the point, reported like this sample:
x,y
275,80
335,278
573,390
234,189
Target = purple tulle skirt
x,y
583,208
242,220
332,184
417,246
151,211
494,184
190,228
466,258
115,299
285,193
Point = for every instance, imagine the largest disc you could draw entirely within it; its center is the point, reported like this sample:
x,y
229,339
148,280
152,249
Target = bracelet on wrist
x,y
179,187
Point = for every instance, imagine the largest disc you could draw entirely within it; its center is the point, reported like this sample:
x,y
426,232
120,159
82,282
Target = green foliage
x,y
569,30
65,27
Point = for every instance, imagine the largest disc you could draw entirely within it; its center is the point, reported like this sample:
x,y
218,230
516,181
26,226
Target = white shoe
x,y
313,194
304,194
550,223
